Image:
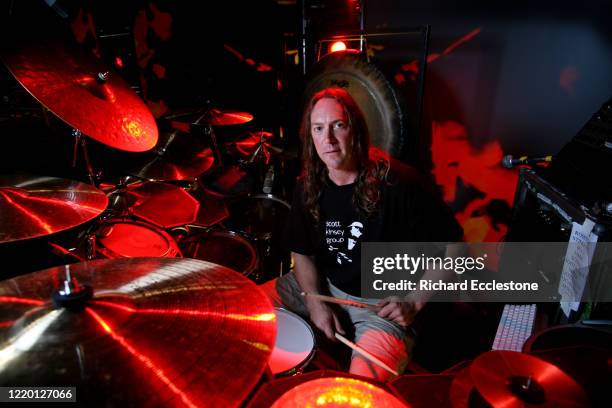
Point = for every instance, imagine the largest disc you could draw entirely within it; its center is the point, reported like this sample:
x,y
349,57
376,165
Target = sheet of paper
x,y
576,265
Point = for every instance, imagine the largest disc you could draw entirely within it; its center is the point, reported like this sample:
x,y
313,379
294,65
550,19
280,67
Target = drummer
x,y
348,190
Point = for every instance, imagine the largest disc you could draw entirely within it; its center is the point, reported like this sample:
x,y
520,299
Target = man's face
x,y
332,135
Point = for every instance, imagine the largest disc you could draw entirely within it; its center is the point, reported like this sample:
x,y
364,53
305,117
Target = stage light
x,y
338,46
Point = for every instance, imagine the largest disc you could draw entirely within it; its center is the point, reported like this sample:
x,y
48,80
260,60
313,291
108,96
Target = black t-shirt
x,y
410,211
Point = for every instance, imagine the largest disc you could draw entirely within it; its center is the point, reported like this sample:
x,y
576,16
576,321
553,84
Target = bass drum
x,y
383,107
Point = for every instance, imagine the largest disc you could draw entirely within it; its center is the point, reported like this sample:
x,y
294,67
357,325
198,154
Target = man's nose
x,y
329,134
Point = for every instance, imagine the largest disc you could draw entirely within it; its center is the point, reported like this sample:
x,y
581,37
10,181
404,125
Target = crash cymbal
x,y
157,332
162,204
82,92
32,207
224,118
185,119
513,380
338,392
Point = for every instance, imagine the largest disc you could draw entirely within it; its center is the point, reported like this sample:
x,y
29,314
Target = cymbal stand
x,y
81,142
208,130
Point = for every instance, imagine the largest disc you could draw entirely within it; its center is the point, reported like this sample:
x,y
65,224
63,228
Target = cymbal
x,y
157,332
32,207
223,118
162,204
338,392
247,145
83,92
511,379
183,120
163,168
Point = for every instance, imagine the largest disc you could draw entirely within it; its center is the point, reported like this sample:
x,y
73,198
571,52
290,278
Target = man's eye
x,y
340,125
317,129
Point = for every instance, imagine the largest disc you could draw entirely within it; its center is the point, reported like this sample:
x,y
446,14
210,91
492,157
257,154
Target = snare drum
x,y
295,344
127,239
225,248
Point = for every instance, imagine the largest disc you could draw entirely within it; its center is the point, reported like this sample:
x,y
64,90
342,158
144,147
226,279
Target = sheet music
x,y
576,266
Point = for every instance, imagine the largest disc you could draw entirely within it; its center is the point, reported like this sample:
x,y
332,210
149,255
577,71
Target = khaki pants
x,y
384,339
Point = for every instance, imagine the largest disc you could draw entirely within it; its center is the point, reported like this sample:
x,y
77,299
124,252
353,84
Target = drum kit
x,y
138,321
189,198
163,308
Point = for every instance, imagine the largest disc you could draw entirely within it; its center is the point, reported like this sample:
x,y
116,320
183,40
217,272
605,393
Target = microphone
x,y
508,161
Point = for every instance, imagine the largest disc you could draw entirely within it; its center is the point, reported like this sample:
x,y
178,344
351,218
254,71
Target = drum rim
x,y
270,197
173,247
234,234
302,364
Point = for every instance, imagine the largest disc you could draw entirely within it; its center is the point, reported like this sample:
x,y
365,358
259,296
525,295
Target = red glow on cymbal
x,y
13,299
39,221
159,373
261,317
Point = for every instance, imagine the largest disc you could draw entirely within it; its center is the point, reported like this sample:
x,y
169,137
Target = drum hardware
x,y
81,142
147,318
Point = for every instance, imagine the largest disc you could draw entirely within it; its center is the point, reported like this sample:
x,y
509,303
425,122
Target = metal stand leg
x,y
81,142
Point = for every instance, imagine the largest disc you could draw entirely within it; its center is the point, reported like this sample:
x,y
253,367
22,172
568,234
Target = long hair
x,y
371,170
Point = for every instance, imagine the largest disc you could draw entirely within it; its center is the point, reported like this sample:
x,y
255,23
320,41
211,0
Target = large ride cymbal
x,y
157,332
83,92
32,207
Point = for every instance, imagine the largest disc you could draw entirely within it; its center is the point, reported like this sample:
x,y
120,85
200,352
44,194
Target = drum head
x,y
224,248
134,239
294,343
260,216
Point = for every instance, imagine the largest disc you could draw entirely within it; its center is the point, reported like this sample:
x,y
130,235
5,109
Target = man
x,y
346,195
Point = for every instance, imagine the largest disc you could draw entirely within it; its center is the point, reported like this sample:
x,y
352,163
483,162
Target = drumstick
x,y
339,301
365,354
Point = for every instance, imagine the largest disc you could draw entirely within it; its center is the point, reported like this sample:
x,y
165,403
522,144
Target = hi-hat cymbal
x,y
157,332
83,92
513,380
32,207
337,392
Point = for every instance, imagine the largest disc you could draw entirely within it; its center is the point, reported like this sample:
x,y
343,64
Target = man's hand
x,y
325,319
398,310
